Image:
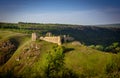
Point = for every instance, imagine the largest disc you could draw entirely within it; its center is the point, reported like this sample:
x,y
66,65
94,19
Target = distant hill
x,y
98,34
110,25
91,34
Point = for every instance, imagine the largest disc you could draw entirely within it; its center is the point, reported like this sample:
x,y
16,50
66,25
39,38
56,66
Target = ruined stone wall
x,y
54,39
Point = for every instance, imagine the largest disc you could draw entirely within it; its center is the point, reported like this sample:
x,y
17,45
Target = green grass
x,y
20,38
81,59
84,60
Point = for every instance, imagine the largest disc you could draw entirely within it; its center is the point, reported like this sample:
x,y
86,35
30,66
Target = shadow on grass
x,y
68,50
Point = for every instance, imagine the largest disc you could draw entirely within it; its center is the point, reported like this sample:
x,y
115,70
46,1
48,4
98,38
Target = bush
x,y
99,47
92,46
114,48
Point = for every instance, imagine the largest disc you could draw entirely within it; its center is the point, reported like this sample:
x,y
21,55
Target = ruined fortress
x,y
54,39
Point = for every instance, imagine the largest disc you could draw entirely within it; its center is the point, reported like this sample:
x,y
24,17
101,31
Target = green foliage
x,y
114,47
8,26
115,44
55,61
92,46
98,47
55,64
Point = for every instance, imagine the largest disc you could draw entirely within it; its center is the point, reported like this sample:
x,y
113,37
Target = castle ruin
x,y
54,39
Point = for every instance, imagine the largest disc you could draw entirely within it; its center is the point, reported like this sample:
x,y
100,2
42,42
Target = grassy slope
x,y
86,60
20,38
81,59
27,58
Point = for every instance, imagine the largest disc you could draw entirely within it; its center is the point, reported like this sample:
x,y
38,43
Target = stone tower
x,y
59,40
34,36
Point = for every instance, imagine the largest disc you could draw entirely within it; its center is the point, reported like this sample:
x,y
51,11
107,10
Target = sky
x,y
81,12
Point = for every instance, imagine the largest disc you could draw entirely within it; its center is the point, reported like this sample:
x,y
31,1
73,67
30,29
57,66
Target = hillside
x,y
28,60
110,25
89,35
92,35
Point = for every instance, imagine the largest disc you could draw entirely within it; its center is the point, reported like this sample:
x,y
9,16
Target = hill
x,y
110,25
21,57
29,58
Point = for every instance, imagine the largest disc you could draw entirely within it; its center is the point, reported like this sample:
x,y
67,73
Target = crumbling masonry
x,y
54,39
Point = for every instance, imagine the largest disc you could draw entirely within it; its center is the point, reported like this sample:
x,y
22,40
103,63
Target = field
x,y
30,58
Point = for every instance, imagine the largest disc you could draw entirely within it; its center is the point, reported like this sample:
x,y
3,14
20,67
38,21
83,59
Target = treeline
x,y
9,26
114,47
30,27
25,25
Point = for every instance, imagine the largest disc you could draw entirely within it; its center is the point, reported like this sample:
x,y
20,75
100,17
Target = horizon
x,y
62,23
75,12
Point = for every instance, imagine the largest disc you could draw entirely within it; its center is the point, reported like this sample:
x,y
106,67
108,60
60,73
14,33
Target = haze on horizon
x,y
83,12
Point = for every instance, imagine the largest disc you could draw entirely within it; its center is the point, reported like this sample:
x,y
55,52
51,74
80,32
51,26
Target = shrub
x,y
114,48
92,46
99,47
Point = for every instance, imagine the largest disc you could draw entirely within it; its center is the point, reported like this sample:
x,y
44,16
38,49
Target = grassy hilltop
x,y
44,59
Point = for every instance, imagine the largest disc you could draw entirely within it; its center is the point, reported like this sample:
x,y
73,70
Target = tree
x,y
55,62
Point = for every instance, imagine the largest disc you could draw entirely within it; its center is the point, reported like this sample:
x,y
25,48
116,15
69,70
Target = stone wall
x,y
54,39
